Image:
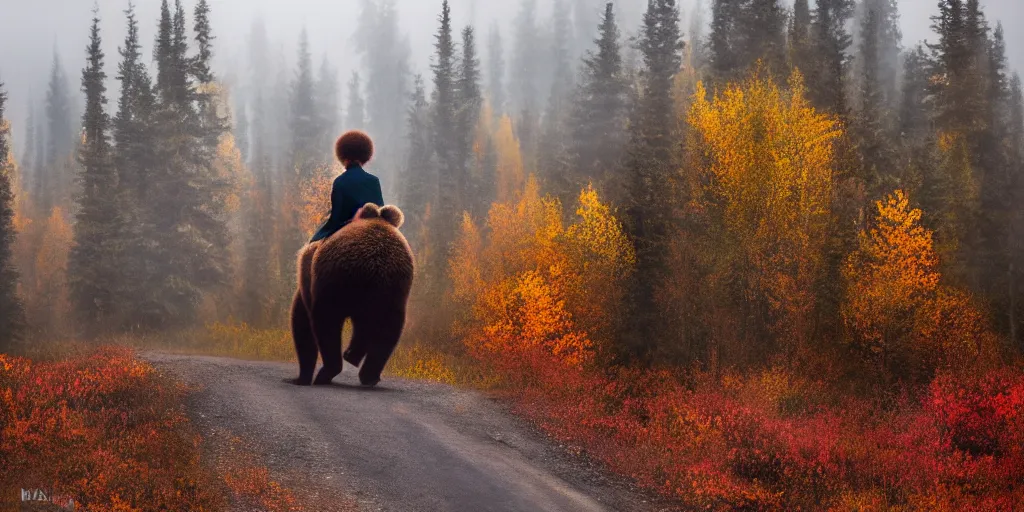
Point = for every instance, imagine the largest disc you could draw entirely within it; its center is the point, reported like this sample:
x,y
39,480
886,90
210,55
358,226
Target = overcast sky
x,y
33,28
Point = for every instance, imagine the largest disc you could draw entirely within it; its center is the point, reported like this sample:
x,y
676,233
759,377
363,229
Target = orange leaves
x,y
890,278
315,201
529,283
895,307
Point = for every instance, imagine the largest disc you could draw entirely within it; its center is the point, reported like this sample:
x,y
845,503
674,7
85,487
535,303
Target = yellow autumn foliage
x,y
531,283
510,173
764,159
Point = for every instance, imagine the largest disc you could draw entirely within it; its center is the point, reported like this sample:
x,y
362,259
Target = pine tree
x,y
996,159
327,106
53,181
211,125
825,78
554,158
873,126
305,120
386,55
696,36
356,112
725,41
496,71
652,159
419,181
186,202
204,43
763,27
801,48
258,237
92,264
134,159
524,88
470,102
525,98
599,113
12,313
446,141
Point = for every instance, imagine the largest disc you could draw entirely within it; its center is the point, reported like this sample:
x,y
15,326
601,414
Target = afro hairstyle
x,y
354,146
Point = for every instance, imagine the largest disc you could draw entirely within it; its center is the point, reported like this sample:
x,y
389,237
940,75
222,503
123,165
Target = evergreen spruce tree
x,y
825,77
419,181
258,237
28,158
873,126
997,202
356,112
12,313
725,42
652,159
470,103
525,98
327,107
599,112
524,88
801,47
53,181
446,142
386,55
496,71
305,120
92,263
696,36
211,125
134,159
554,156
185,207
762,27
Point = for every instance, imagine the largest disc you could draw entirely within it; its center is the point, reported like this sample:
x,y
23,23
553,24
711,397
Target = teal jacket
x,y
352,190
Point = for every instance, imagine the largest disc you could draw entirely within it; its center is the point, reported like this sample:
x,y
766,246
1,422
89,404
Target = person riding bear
x,y
357,267
355,187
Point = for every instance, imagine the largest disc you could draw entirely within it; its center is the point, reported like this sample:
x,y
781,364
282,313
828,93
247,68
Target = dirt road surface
x,y
405,446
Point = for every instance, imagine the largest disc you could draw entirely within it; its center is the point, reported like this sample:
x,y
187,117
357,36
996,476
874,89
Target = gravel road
x,y
405,446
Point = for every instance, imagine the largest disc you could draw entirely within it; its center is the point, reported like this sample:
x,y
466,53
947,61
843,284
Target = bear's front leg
x,y
305,343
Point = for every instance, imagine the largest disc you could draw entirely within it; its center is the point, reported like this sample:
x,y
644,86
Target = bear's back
x,y
369,256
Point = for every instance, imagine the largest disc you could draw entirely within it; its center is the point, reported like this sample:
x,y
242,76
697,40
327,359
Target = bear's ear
x,y
393,215
369,211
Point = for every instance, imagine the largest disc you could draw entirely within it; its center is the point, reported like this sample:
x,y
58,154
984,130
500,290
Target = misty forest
x,y
748,254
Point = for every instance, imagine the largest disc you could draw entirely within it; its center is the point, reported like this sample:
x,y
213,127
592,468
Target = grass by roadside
x,y
238,340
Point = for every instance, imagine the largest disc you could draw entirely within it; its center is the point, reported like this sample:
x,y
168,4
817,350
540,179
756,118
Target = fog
x,y
35,29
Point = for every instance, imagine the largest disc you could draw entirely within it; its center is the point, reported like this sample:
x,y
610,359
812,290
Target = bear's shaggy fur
x,y
354,146
363,272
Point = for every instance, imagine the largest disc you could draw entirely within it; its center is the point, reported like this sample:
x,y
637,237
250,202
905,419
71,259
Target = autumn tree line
x,y
792,186
772,183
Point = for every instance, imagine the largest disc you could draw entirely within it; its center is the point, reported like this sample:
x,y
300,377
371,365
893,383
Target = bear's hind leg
x,y
305,342
382,337
356,351
327,324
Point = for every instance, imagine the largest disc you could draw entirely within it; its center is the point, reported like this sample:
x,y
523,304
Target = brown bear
x,y
363,272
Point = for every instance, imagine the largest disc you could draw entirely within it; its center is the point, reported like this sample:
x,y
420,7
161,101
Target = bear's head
x,y
390,214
